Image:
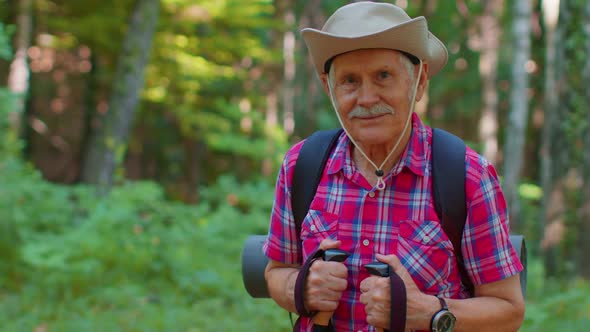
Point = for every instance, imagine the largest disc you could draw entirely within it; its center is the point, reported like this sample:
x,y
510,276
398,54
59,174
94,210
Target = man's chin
x,y
373,136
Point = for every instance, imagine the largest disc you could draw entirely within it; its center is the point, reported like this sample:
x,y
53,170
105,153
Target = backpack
x,y
448,183
448,158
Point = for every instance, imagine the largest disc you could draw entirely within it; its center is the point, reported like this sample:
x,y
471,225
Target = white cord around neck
x,y
379,170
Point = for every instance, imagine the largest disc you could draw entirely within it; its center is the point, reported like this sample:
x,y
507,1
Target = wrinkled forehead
x,y
370,57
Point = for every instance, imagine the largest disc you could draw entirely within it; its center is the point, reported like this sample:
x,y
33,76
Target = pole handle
x,y
321,320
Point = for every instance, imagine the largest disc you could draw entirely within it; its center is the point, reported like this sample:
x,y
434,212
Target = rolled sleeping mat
x,y
520,246
253,265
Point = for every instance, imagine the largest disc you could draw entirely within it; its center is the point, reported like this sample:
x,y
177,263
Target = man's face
x,y
372,91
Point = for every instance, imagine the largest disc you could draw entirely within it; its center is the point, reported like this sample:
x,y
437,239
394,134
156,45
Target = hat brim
x,y
412,37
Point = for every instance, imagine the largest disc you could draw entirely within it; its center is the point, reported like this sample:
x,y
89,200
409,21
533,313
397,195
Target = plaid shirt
x,y
399,220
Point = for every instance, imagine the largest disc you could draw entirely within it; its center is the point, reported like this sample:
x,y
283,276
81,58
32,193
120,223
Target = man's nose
x,y
368,95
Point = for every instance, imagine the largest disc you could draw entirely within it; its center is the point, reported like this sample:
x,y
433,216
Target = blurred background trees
x,y
141,139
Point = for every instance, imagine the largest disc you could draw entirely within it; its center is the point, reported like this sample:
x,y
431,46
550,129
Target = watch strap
x,y
443,303
444,307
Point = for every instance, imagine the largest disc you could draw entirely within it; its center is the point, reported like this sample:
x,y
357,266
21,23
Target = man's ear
x,y
423,83
324,79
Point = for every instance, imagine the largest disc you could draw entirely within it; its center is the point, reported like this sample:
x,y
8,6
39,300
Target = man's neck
x,y
368,170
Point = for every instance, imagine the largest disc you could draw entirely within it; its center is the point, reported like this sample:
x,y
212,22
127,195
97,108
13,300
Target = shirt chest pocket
x,y
426,252
317,226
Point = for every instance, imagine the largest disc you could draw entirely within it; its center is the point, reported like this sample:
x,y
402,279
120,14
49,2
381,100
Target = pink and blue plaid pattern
x,y
400,220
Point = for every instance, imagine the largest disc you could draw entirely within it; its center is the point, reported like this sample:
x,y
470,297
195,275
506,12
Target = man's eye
x,y
349,80
384,74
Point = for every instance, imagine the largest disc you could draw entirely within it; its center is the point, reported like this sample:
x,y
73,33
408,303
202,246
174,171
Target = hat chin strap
x,y
379,169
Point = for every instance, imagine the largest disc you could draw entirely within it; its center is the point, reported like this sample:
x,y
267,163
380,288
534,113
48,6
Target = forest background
x,y
141,141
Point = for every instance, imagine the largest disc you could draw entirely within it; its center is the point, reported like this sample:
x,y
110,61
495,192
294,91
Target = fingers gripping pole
x,y
397,316
321,321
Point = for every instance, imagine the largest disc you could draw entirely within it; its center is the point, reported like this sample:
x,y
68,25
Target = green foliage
x,y
8,143
530,226
457,88
5,48
206,62
130,261
204,57
575,99
80,21
554,305
133,261
7,104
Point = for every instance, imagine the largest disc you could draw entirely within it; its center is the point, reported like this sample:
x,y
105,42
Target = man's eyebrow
x,y
346,73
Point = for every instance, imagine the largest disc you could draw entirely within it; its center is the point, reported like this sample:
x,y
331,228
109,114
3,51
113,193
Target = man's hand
x,y
325,282
376,298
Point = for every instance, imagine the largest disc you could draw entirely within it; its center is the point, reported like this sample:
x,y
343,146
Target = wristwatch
x,y
443,320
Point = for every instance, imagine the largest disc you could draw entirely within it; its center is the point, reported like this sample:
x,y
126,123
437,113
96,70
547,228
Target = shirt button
x,y
366,242
312,228
372,194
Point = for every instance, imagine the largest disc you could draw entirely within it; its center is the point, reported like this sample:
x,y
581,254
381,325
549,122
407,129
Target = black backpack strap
x,y
308,171
448,190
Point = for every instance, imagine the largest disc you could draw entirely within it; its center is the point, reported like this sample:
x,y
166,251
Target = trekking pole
x,y
321,321
398,295
381,270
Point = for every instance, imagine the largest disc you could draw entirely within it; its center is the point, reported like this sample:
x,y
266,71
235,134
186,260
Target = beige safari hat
x,y
363,25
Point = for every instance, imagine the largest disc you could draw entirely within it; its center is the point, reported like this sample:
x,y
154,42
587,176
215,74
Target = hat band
x,y
414,59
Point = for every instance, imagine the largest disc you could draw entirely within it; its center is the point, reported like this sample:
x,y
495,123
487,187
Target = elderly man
x,y
374,199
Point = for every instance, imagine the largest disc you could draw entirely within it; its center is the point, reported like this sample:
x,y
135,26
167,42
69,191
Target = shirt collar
x,y
413,158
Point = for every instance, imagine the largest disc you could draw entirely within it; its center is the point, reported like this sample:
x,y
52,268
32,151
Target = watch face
x,y
445,322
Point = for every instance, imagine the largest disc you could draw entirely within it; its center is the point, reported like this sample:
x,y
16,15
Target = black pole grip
x,y
379,269
335,255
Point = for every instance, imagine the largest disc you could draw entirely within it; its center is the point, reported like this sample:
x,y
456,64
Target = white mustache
x,y
363,112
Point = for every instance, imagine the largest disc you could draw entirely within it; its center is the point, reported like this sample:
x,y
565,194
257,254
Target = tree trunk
x,y
584,210
488,64
18,77
193,151
552,191
517,125
310,96
289,71
89,108
107,143
275,83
